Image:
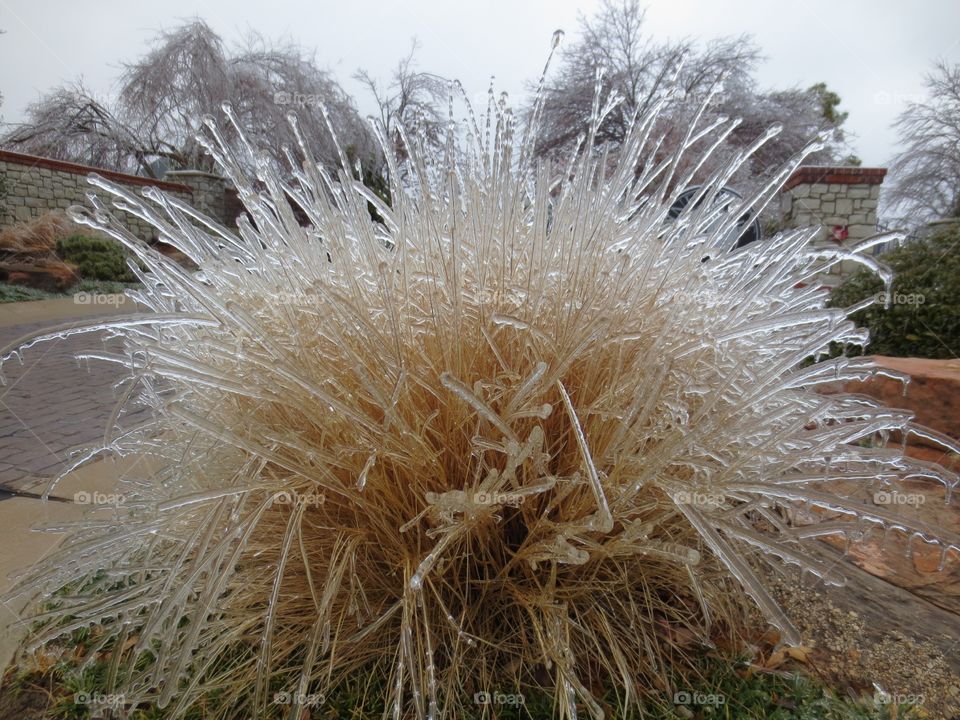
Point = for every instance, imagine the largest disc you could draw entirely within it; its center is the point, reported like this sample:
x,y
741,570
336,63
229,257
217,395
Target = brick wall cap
x,y
35,161
193,173
834,174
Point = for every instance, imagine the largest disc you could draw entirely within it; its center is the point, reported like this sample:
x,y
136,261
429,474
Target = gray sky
x,y
872,52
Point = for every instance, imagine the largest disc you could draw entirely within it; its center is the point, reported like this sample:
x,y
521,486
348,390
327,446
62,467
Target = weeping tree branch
x,y
187,74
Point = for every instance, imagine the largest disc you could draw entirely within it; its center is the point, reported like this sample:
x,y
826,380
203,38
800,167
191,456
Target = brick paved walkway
x,y
50,405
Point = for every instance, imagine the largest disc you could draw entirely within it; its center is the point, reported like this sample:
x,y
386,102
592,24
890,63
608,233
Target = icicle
x,y
362,480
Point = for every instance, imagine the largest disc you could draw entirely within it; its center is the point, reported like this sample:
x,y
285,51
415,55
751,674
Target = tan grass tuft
x,y
37,237
524,430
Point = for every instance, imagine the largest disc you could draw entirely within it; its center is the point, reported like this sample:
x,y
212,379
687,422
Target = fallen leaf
x,y
799,653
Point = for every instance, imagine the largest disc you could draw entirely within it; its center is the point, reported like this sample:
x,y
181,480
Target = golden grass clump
x,y
37,237
523,428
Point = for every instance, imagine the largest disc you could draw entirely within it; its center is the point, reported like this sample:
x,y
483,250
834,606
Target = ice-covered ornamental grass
x,y
522,428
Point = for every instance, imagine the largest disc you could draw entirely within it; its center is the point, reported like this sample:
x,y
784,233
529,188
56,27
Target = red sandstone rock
x,y
49,275
933,393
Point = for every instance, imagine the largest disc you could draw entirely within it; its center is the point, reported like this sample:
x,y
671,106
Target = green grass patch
x,y
19,293
724,691
103,287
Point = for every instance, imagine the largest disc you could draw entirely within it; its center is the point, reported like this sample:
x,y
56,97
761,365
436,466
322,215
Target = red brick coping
x,y
77,169
810,174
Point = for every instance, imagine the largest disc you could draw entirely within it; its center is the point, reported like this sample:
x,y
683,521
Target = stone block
x,y
859,191
844,206
786,203
862,231
818,189
828,208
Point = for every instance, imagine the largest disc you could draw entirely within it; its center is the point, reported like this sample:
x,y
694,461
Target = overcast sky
x,y
874,53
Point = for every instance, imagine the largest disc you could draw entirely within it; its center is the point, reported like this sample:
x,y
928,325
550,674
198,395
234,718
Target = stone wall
x,y
31,186
209,193
842,201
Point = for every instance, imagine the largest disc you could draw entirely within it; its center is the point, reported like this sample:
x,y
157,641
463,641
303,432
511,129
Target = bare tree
x,y
272,80
69,123
925,176
188,74
640,70
803,115
682,74
411,100
164,95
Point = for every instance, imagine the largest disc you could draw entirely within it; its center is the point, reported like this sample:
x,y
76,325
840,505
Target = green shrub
x,y
923,319
96,258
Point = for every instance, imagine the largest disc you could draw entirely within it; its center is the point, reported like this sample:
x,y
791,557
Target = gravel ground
x,y
904,669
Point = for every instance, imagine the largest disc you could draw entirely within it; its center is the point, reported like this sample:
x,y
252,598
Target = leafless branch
x,y
925,176
411,100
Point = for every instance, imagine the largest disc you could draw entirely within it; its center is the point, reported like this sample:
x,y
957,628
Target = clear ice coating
x,y
463,436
